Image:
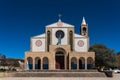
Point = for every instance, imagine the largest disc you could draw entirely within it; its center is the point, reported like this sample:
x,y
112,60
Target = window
x,y
84,30
48,40
71,40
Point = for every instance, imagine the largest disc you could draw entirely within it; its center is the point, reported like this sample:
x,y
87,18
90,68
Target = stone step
x,y
92,70
56,74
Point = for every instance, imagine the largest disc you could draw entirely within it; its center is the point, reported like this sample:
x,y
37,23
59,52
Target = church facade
x,y
60,48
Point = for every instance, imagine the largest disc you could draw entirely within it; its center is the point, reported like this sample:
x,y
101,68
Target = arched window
x,y
84,30
71,40
45,63
48,40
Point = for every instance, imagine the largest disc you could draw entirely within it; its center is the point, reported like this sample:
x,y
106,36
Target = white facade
x,y
38,43
81,43
82,48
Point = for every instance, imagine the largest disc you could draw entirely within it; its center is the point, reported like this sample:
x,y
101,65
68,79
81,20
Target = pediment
x,y
39,36
60,24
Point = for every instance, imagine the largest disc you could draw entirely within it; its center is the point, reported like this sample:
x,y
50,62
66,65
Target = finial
x,y
83,21
59,17
59,23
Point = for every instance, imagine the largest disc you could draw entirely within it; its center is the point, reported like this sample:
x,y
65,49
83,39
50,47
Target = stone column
x,y
41,63
52,63
65,61
33,64
54,60
93,62
85,63
77,64
25,64
69,64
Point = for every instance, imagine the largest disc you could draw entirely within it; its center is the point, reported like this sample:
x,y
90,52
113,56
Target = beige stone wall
x,y
51,56
84,55
41,55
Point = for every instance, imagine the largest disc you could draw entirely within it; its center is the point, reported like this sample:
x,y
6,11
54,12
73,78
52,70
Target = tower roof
x,y
83,21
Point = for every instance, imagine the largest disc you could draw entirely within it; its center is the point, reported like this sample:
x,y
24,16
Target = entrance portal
x,y
59,58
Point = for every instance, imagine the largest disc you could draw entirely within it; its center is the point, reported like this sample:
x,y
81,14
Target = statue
x,y
59,40
21,64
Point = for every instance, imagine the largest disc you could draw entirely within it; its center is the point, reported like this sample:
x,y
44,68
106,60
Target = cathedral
x,y
60,48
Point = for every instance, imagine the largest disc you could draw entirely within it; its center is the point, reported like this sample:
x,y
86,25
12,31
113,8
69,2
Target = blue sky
x,y
22,19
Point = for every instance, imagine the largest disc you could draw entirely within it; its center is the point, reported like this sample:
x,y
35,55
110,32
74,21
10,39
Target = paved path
x,y
116,77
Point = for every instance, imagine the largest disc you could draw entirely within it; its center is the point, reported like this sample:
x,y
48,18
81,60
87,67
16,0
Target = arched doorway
x,y
37,63
45,63
89,63
73,63
82,63
29,63
60,59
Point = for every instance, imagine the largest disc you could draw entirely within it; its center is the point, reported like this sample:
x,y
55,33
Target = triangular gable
x,y
39,36
63,25
77,35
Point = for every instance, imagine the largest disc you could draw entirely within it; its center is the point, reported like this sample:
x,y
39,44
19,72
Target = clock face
x,y
38,43
80,43
59,34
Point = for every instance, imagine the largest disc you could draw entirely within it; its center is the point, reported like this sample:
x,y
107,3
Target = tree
x,y
104,57
118,56
3,60
2,56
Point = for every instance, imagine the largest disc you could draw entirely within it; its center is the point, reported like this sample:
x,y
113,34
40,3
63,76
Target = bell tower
x,y
84,28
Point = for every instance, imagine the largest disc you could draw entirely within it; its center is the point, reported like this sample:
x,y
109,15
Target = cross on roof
x,y
59,16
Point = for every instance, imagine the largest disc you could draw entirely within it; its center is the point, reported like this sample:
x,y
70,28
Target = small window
x,y
84,30
71,40
48,40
